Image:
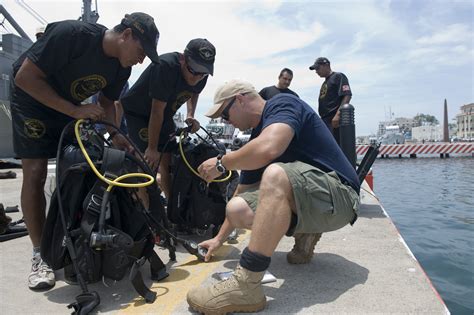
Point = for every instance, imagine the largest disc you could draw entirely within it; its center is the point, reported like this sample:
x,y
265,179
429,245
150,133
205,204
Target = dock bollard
x,y
347,133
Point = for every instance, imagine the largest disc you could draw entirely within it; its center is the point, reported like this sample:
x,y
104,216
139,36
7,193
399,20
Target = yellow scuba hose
x,y
116,181
191,168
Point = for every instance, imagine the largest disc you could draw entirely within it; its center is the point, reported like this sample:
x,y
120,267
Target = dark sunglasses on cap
x,y
225,112
195,73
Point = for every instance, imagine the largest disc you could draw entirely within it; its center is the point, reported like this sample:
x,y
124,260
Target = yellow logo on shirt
x,y
143,134
85,87
34,128
182,98
324,91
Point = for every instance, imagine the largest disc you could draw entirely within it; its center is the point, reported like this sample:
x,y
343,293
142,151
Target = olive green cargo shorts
x,y
323,203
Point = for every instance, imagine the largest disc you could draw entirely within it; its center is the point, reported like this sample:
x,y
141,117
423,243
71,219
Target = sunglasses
x,y
195,73
225,112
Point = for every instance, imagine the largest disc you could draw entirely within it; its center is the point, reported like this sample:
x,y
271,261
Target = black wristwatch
x,y
219,166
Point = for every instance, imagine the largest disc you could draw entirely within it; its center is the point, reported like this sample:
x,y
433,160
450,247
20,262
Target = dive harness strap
x,y
137,281
158,272
112,165
112,162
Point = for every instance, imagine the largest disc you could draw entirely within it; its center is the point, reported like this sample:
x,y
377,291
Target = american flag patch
x,y
346,88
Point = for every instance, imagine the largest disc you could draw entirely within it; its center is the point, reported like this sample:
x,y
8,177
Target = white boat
x,y
392,135
241,138
221,131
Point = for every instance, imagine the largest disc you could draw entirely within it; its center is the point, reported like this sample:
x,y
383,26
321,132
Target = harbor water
x,y
431,201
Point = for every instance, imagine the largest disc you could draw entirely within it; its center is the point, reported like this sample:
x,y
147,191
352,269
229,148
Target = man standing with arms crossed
x,y
335,92
72,61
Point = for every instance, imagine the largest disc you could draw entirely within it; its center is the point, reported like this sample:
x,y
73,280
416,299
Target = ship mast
x,y
87,14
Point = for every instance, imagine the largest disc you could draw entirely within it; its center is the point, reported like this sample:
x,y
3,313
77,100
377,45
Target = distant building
x,y
465,122
404,124
427,133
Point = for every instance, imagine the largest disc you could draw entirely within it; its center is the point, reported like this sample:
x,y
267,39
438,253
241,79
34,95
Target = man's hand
x,y
335,120
88,111
152,157
121,143
208,170
195,124
211,245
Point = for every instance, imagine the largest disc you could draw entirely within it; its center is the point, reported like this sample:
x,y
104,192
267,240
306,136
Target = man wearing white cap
x,y
39,32
295,180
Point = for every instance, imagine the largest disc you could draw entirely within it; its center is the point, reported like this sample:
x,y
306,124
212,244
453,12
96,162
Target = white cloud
x,y
454,33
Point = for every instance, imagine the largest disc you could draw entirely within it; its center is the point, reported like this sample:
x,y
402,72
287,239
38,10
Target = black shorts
x,y
36,130
138,132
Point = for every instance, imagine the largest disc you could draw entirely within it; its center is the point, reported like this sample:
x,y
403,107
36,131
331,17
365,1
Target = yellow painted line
x,y
183,276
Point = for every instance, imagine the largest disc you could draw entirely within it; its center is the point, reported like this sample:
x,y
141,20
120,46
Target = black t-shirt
x,y
312,143
70,53
333,90
164,82
270,91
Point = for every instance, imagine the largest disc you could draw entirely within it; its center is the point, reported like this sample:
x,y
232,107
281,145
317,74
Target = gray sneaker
x,y
41,276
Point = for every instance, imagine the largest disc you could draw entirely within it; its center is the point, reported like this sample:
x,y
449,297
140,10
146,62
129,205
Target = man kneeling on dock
x,y
295,180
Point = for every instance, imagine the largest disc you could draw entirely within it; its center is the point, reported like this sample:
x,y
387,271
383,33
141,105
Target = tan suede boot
x,y
303,250
242,292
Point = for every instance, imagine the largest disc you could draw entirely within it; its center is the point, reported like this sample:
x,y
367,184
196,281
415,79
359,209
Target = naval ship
x,y
12,46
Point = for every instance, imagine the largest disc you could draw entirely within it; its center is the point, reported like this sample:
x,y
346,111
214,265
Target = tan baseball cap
x,y
227,91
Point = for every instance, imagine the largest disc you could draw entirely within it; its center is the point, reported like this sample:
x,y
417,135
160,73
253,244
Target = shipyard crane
x,y
13,23
87,14
32,12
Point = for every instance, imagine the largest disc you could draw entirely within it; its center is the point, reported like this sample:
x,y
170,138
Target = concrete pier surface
x,y
362,269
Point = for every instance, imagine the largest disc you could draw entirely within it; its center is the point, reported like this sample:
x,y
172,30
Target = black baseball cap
x,y
143,26
200,55
320,61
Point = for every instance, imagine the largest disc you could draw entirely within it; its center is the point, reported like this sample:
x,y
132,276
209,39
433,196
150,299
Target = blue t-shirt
x,y
312,143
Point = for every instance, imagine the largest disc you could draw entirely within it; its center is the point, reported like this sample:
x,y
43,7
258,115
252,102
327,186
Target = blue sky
x,y
403,56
